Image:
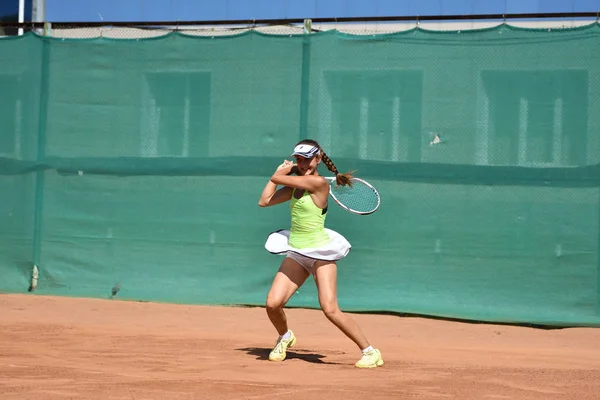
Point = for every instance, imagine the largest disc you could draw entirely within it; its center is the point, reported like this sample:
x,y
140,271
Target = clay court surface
x,y
67,348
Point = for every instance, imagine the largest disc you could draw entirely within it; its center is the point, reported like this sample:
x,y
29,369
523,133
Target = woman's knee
x,y
274,303
330,309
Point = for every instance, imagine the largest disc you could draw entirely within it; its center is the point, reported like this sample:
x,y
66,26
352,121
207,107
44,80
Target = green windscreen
x,y
140,162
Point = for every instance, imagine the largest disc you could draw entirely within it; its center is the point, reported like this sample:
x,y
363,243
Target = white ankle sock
x,y
286,336
368,349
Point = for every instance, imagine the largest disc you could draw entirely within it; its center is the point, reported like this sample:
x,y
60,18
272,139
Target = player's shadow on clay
x,y
262,353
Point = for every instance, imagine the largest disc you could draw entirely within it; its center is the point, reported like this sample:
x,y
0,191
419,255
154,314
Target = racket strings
x,y
358,197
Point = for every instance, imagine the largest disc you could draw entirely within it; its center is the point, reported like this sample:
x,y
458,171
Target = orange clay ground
x,y
68,348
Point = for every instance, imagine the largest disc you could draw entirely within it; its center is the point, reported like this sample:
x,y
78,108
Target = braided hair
x,y
341,179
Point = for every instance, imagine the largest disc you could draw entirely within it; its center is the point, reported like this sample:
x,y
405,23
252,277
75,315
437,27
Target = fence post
x,y
305,79
41,155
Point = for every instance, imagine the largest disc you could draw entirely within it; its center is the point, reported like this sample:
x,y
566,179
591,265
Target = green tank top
x,y
308,223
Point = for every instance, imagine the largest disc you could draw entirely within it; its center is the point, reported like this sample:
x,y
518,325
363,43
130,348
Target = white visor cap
x,y
305,150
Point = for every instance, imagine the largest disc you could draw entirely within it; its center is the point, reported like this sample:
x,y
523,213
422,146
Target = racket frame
x,y
354,179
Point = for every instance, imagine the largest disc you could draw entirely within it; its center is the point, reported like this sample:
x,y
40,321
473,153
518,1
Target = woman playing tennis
x,y
311,249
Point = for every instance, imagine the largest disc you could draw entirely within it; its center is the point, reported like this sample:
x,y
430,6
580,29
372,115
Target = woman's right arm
x,y
271,196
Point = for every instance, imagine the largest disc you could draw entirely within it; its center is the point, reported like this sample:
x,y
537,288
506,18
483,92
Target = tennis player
x,y
310,248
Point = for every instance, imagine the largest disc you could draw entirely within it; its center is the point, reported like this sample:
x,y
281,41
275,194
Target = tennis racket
x,y
360,198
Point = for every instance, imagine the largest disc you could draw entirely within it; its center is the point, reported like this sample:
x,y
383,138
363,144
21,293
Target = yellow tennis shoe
x,y
279,352
370,359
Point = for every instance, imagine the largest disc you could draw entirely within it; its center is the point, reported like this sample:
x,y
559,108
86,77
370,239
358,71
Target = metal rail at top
x,y
290,21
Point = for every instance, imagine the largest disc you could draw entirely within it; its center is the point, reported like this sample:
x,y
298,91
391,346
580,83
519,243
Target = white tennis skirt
x,y
337,248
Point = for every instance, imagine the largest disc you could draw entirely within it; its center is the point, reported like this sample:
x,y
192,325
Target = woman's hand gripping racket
x,y
360,198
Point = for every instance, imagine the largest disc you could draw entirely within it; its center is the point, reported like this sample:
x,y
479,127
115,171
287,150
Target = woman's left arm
x,y
311,183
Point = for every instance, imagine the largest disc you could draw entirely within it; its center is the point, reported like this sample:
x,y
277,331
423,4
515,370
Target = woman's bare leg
x,y
288,279
325,275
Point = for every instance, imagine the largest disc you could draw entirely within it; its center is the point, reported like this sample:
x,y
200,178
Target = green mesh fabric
x,y
141,162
